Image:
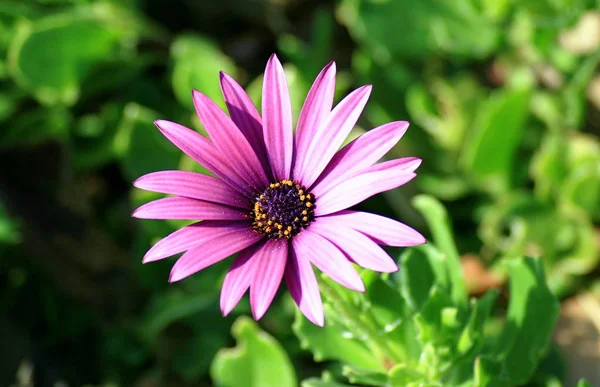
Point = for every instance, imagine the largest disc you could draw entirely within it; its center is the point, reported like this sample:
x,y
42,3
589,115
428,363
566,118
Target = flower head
x,y
279,198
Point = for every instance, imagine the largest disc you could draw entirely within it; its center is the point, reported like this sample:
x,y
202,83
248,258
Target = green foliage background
x,y
504,102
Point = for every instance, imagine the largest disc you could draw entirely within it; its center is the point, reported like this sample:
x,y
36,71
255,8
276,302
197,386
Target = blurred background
x,y
504,102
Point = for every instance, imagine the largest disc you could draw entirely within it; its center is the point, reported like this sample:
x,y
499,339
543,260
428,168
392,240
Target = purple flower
x,y
279,199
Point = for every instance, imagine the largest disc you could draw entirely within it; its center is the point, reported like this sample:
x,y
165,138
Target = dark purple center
x,y
283,210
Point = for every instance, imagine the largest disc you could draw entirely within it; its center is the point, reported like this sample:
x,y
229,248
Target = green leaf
x,y
197,62
53,55
257,361
401,375
499,129
140,146
472,337
532,313
437,219
428,27
416,277
357,375
330,343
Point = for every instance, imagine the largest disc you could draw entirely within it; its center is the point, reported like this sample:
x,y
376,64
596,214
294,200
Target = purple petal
x,y
245,116
194,235
277,119
304,289
238,278
178,207
382,230
403,164
192,185
360,154
358,247
327,258
316,107
271,260
204,152
230,141
207,254
363,186
330,136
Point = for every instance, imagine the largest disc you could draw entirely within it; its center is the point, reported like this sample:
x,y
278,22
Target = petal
x,y
304,289
316,107
360,154
192,185
238,278
178,207
193,235
403,164
361,187
207,254
203,151
271,260
358,247
382,230
245,116
277,119
230,141
330,136
327,258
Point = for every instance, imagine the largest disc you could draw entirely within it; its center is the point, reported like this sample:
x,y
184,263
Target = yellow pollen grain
x,y
289,228
305,219
261,197
279,226
289,183
308,196
263,216
308,204
300,192
296,219
304,212
286,233
302,197
270,222
271,185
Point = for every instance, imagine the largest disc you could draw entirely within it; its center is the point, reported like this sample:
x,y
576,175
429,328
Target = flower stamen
x,y
283,209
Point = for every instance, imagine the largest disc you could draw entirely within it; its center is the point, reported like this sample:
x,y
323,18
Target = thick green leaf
x,y
330,343
257,361
472,337
53,55
428,27
401,375
439,224
416,277
532,312
197,62
499,129
357,375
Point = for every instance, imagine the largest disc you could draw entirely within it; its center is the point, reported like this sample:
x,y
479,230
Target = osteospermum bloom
x,y
279,198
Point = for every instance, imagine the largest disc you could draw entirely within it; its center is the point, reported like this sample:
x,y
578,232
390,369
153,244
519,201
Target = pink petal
x,y
277,119
194,235
203,151
230,141
238,278
200,257
192,185
178,207
382,230
271,260
316,107
304,289
403,164
327,258
361,187
330,136
360,154
358,247
245,116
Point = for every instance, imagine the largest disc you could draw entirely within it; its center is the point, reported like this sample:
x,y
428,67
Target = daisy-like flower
x,y
279,199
